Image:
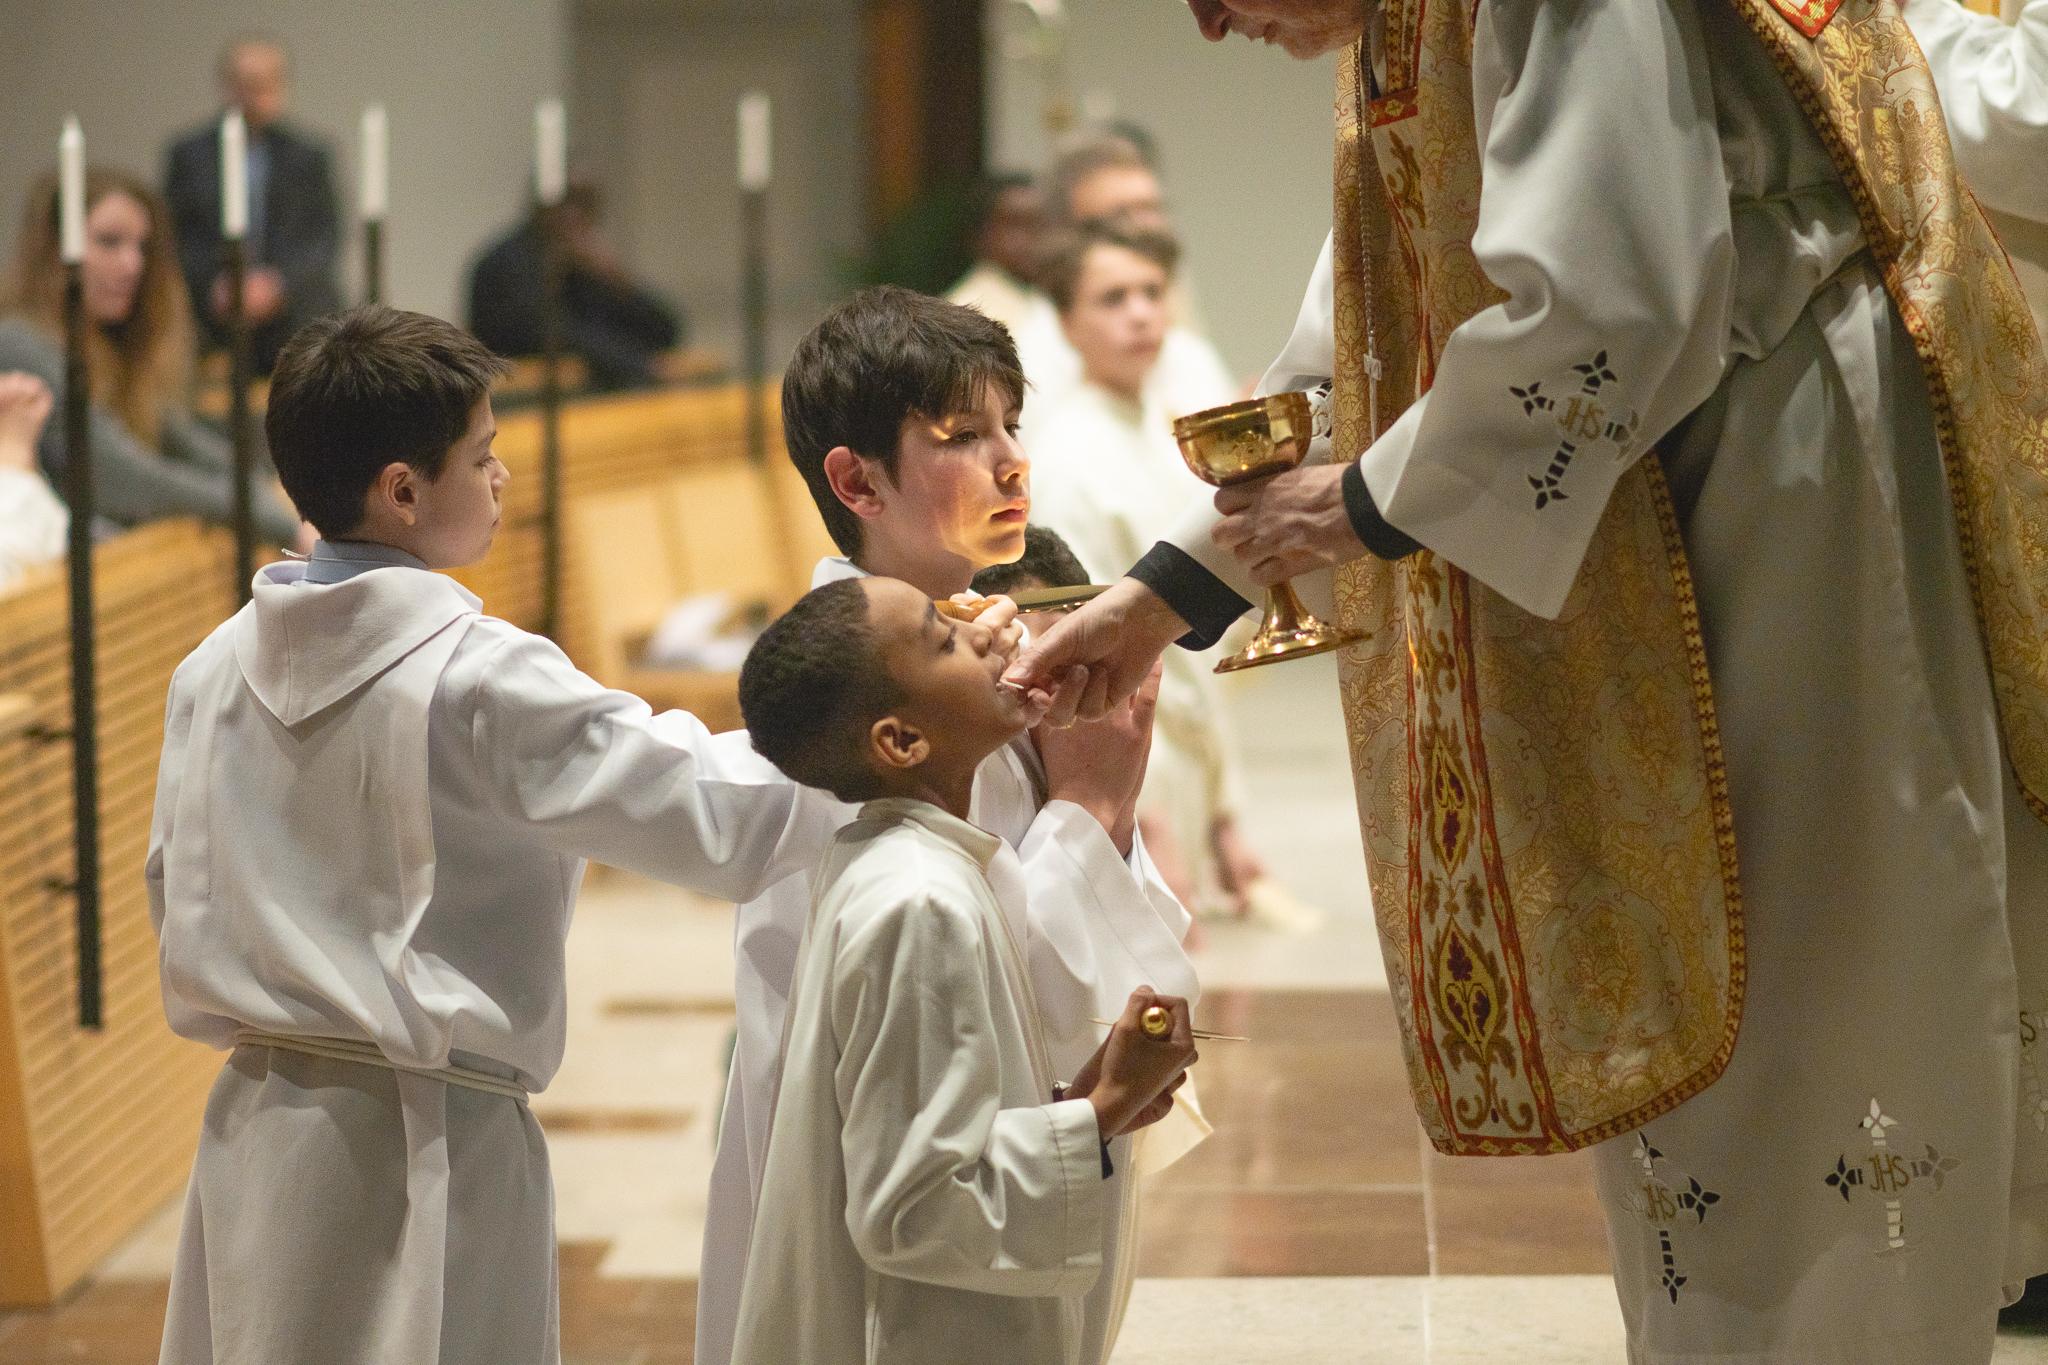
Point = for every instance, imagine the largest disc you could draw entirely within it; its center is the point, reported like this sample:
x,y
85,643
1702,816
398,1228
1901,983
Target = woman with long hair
x,y
151,459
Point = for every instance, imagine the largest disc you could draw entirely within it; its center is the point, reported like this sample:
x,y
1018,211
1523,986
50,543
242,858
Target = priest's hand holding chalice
x,y
1276,518
1245,443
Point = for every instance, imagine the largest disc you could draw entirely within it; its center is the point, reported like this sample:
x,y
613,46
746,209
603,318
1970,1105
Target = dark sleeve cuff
x,y
1197,596
1108,1169
1380,537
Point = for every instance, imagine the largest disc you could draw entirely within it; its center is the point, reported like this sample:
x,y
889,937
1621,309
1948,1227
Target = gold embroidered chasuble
x,y
1543,803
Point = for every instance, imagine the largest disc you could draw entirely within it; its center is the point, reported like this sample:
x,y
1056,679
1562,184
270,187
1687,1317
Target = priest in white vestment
x,y
1868,1178
1993,78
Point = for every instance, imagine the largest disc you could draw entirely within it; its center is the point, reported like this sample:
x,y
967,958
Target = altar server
x,y
371,818
931,1182
900,410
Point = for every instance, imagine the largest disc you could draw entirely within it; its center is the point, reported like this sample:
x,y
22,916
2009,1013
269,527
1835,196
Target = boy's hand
x,y
24,407
1131,1078
1099,765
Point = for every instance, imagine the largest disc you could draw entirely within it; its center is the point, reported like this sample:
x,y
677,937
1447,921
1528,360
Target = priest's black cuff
x,y
1379,535
1197,596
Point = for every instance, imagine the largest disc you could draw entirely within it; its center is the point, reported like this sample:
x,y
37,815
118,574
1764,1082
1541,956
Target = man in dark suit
x,y
294,230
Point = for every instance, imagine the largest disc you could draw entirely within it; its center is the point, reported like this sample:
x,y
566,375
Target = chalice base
x,y
1290,631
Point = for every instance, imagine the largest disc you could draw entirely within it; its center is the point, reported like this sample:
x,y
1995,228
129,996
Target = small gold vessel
x,y
1256,439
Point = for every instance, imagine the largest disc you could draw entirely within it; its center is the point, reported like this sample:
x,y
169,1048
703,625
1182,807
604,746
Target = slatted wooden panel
x,y
96,1129
622,444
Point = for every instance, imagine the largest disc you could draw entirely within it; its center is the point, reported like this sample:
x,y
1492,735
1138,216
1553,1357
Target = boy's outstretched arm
x,y
598,775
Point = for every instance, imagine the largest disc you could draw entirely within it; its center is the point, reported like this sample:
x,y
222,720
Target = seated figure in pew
x,y
1109,477
900,410
33,522
619,329
151,458
929,1180
372,813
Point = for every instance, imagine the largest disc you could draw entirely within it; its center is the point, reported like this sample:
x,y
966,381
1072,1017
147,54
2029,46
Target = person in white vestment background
x,y
1992,73
372,813
1101,177
900,412
935,1190
1652,192
33,522
1108,476
1008,223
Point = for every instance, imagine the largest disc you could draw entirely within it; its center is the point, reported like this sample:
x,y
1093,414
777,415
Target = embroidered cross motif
x,y
1665,1204
2034,1103
1888,1174
1581,420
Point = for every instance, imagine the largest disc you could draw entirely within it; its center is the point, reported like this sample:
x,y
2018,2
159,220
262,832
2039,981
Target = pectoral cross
x,y
1374,372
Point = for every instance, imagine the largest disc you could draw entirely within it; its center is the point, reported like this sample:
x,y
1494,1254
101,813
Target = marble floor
x,y
1314,1226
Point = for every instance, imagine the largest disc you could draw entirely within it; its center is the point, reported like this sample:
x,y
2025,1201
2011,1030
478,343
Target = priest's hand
x,y
1099,765
1111,642
1289,524
1131,1078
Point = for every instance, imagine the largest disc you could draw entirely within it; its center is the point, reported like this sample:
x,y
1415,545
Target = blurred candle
x,y
234,177
550,152
755,157
376,186
71,192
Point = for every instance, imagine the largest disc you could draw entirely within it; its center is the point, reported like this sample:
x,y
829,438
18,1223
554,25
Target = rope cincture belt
x,y
349,1050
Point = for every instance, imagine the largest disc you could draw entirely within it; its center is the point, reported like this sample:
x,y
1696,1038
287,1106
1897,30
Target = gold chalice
x,y
1237,443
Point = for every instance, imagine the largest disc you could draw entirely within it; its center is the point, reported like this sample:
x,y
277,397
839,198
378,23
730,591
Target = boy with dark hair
x,y
929,1183
1047,562
372,813
901,411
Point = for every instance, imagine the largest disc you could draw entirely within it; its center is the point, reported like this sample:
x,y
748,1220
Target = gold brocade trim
x,y
1941,353
1544,804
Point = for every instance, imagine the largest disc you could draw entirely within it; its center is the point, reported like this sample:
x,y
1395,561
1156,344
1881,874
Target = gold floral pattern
x,y
1870,96
1556,892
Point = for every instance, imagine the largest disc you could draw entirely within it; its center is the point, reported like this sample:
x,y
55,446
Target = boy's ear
x,y
897,743
396,489
856,481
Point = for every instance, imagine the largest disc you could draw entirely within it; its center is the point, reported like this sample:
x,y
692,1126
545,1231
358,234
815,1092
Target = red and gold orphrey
x,y
1543,803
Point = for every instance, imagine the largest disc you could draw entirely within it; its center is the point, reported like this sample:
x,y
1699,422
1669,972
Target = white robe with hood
x,y
372,812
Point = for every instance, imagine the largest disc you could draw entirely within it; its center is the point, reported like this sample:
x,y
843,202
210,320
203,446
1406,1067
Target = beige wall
x,y
1244,134
656,87
459,76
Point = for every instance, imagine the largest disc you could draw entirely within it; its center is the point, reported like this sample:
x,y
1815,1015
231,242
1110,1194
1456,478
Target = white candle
x,y
234,177
755,156
550,151
71,192
376,186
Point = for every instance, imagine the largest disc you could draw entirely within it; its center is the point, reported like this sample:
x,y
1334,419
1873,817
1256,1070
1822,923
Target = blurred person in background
x,y
1008,225
151,458
617,328
294,226
1108,476
1100,177
33,522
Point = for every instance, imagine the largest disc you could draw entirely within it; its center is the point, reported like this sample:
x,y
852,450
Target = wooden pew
x,y
97,1129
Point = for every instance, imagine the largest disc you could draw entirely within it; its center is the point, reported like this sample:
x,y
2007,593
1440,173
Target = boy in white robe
x,y
930,1183
372,813
1110,479
900,410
